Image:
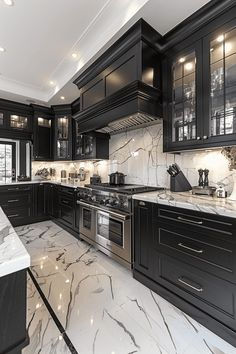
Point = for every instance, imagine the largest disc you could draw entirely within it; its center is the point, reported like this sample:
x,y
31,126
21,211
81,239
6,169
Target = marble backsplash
x,y
139,155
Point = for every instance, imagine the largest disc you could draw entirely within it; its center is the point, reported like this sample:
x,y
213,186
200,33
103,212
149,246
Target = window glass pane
x,y
1,118
62,148
189,87
18,122
178,122
230,42
6,162
178,90
217,49
177,70
217,76
230,70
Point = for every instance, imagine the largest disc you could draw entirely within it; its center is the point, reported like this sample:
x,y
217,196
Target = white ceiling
x,y
40,36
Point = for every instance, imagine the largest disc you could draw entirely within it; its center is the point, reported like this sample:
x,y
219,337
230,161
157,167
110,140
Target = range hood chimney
x,y
121,90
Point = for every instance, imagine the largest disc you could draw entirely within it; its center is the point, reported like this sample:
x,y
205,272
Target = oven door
x,y
87,220
113,232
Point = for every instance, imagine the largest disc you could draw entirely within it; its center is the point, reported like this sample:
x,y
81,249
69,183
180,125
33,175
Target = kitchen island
x,y
14,261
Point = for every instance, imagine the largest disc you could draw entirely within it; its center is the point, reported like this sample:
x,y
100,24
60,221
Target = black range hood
x,y
121,89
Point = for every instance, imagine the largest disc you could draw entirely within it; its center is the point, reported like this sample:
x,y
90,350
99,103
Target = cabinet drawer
x,y
212,255
65,200
15,189
17,216
15,199
212,295
197,221
66,191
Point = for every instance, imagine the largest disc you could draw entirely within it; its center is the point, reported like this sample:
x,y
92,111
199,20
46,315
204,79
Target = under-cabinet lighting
x,y
220,38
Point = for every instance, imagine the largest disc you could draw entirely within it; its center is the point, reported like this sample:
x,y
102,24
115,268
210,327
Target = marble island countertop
x,y
187,200
13,255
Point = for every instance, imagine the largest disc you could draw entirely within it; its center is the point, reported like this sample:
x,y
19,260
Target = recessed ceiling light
x,y
220,38
74,55
181,60
2,49
62,97
8,2
51,83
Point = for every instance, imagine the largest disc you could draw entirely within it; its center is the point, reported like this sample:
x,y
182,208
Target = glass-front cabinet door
x,y
63,137
183,109
220,85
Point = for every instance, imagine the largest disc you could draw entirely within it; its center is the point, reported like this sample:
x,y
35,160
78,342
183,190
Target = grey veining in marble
x,y
187,200
102,308
13,255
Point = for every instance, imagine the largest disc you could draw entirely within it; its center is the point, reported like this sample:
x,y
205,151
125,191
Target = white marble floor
x,y
101,307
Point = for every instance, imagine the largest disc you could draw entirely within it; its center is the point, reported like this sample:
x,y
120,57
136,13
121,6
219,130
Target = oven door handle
x,y
105,212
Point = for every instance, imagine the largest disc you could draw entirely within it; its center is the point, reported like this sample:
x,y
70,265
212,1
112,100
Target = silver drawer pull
x,y
13,200
191,221
189,248
13,189
12,216
199,289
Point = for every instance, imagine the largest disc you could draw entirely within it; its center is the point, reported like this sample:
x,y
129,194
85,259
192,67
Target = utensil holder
x,y
179,183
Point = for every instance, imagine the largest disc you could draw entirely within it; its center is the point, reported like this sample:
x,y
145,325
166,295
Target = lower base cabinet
x,y
13,332
180,255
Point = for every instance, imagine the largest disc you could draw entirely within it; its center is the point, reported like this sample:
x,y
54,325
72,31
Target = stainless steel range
x,y
106,218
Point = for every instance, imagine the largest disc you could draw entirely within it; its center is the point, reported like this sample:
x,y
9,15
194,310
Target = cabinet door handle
x,y
13,200
199,288
189,248
13,215
190,221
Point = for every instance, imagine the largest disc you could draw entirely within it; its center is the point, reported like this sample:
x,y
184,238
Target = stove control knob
x,y
93,198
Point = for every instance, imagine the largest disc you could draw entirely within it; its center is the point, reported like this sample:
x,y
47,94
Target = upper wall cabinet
x,y
43,133
219,85
199,88
62,132
182,84
15,120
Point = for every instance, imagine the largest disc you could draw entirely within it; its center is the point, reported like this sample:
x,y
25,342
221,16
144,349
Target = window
x,y
7,161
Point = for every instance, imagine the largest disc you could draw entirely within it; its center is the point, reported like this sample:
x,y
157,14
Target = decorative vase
x,y
233,194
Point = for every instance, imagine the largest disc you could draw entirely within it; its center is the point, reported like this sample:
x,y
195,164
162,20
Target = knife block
x,y
179,183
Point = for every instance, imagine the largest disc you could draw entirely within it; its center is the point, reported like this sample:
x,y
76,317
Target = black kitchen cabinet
x,y
51,195
66,206
16,120
43,133
188,257
90,146
17,203
62,132
40,200
143,237
199,87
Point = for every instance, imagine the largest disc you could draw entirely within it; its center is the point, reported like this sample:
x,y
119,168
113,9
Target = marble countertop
x,y
187,200
65,184
13,255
